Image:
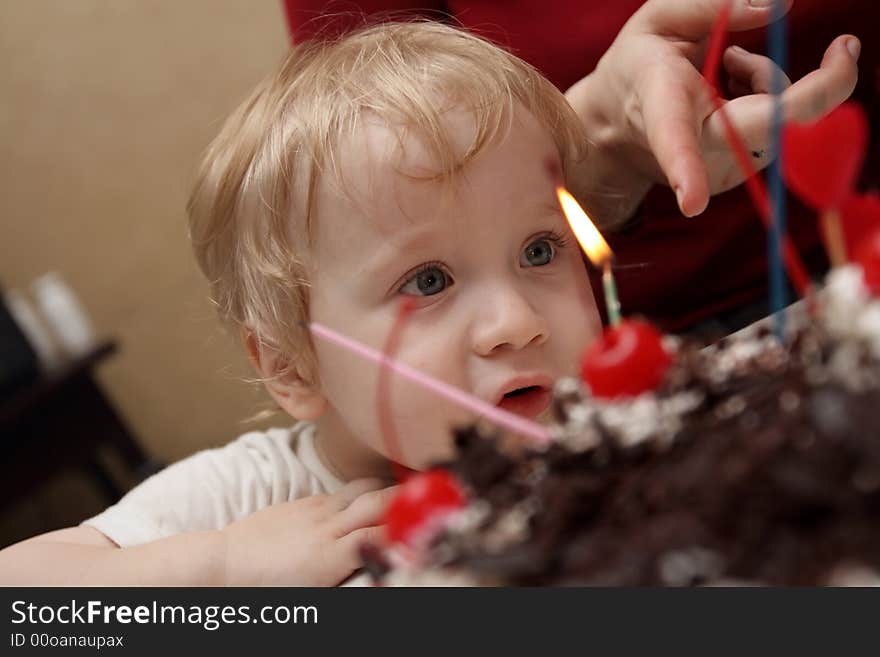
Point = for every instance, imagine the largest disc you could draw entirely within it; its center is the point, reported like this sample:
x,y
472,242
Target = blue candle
x,y
778,51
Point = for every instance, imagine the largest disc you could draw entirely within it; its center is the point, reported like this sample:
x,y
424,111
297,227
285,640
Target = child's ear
x,y
296,396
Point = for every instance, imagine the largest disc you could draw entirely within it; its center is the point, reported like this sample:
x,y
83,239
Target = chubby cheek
x,y
422,424
426,440
422,419
586,299
574,317
589,313
349,384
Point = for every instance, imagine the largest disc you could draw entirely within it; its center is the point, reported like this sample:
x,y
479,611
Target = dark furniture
x,y
59,421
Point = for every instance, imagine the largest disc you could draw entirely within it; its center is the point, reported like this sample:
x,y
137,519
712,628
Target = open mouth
x,y
522,391
529,401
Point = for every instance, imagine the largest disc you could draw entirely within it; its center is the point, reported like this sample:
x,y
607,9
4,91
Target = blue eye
x,y
538,253
428,281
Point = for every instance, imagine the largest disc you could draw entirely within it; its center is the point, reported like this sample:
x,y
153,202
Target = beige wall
x,y
105,108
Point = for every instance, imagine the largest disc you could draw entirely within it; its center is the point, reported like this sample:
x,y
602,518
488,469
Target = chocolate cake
x,y
755,461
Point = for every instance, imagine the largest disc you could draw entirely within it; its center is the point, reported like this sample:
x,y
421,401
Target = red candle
x,y
822,164
868,257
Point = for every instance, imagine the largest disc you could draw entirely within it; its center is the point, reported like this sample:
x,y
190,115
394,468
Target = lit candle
x,y
629,358
595,246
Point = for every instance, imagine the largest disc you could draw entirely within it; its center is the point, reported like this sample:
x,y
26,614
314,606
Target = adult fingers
x,y
753,72
737,89
808,99
672,130
366,510
751,116
820,91
693,19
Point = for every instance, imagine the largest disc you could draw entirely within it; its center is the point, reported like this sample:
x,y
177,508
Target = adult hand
x,y
651,118
309,542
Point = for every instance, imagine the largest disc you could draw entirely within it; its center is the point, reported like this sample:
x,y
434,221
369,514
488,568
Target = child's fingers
x,y
355,489
352,542
335,561
343,557
366,510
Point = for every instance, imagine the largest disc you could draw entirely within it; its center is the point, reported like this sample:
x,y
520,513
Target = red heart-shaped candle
x,y
821,160
626,361
422,502
867,255
860,215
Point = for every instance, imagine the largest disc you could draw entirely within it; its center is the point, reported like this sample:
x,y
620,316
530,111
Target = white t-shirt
x,y
213,488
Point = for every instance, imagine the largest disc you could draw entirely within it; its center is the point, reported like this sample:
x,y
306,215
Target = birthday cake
x,y
752,460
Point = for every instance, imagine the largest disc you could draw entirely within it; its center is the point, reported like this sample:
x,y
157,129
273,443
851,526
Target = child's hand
x,y
652,120
309,542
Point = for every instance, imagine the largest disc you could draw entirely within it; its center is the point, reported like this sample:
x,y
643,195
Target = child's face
x,y
502,298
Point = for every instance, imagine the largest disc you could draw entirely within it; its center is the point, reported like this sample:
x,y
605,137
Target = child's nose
x,y
507,319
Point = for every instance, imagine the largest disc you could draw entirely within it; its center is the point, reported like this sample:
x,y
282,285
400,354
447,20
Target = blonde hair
x,y
253,203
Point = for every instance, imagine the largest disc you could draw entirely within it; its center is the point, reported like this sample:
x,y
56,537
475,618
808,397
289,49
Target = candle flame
x,y
591,241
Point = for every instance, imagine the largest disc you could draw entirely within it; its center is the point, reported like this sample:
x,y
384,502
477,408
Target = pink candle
x,y
514,423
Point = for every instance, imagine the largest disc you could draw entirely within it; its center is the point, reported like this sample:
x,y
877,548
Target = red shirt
x,y
674,270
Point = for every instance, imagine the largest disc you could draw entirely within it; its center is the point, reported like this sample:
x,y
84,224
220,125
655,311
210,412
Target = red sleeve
x,y
309,18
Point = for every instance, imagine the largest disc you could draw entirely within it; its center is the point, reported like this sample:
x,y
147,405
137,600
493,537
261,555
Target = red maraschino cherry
x,y
868,256
626,361
421,504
